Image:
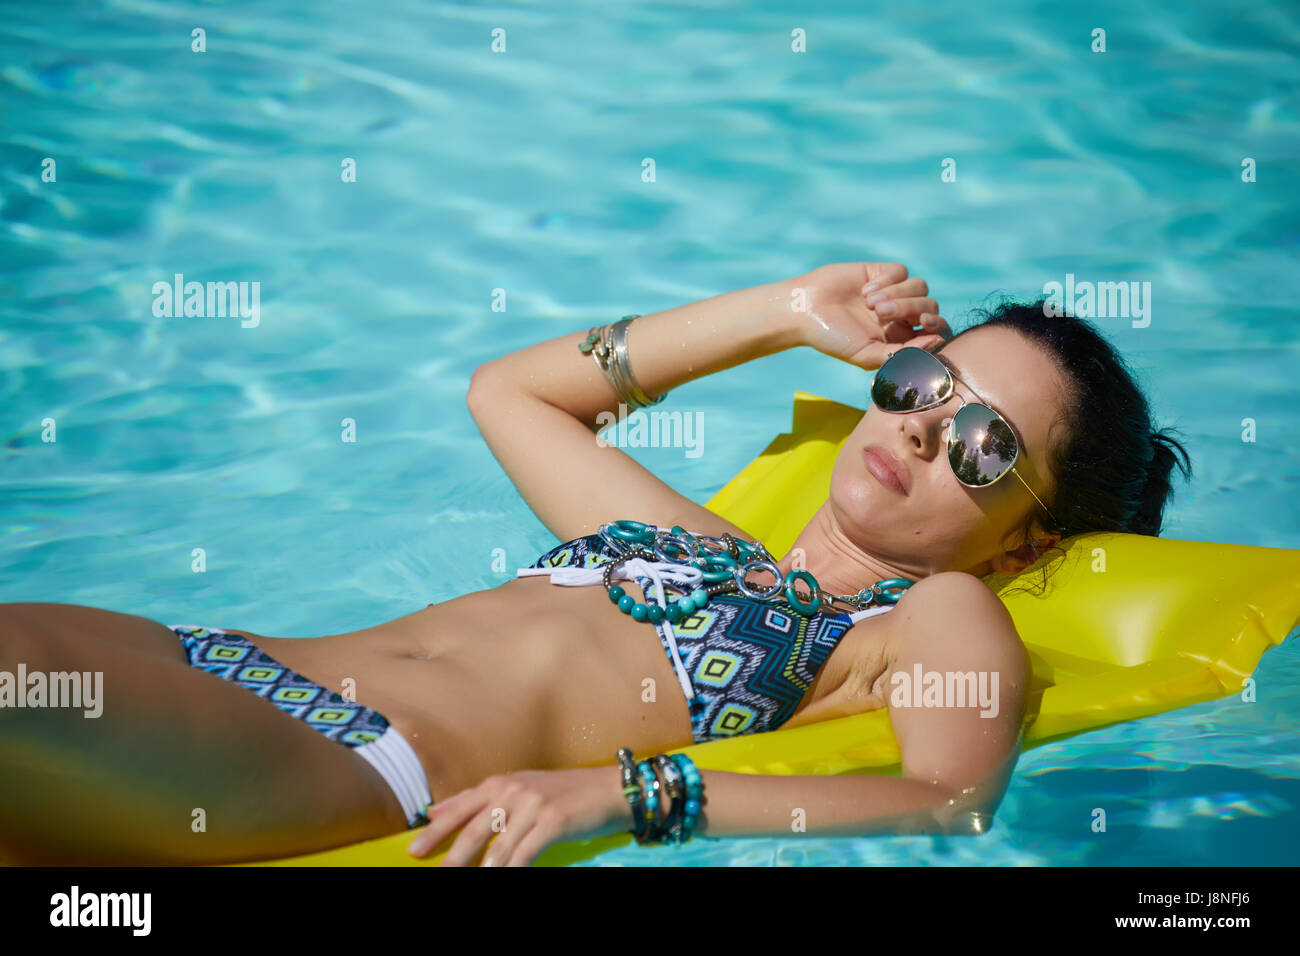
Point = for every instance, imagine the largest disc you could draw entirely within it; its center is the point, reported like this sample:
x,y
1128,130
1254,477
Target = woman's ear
x,y
1016,560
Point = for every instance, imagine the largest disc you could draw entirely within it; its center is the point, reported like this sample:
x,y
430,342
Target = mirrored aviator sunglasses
x,y
981,445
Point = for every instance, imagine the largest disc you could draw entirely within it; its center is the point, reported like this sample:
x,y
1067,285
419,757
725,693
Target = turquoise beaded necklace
x,y
726,564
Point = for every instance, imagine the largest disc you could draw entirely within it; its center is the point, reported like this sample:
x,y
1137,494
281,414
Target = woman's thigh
x,y
179,766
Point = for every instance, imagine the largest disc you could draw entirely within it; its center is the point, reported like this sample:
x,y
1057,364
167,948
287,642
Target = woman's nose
x,y
925,429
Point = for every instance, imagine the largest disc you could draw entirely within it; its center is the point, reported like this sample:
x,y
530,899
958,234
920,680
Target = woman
x,y
479,704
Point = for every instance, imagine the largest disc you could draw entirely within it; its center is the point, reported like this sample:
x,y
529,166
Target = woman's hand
x,y
527,811
859,311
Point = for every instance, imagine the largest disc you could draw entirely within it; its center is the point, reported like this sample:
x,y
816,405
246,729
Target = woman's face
x,y
939,524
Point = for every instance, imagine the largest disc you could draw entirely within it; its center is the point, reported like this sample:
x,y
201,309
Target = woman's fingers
x,y
927,342
904,308
518,824
881,275
910,287
472,838
936,324
530,847
508,819
876,354
444,818
902,332
896,332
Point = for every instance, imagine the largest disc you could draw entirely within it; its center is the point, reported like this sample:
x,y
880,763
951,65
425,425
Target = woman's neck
x,y
839,566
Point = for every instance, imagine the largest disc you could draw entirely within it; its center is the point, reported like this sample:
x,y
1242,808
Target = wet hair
x,y
1113,468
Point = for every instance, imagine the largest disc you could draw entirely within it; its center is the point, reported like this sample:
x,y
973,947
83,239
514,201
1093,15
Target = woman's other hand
x,y
859,311
526,811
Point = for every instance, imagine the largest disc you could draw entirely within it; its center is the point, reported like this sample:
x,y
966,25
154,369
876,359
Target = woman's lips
x,y
882,463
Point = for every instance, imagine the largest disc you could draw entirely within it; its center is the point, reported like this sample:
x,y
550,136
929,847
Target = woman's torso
x,y
530,675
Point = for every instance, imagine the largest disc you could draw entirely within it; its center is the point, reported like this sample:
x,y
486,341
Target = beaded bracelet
x,y
683,786
674,783
651,789
632,791
694,792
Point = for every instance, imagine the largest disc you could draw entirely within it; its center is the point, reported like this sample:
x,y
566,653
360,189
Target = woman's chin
x,y
862,511
863,494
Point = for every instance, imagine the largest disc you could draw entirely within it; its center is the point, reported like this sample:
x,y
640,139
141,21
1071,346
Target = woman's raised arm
x,y
537,408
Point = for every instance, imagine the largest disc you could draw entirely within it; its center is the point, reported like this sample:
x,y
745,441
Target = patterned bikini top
x,y
747,663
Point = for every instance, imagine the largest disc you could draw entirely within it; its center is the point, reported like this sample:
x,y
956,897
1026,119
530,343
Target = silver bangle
x,y
599,352
630,390
626,387
608,347
603,353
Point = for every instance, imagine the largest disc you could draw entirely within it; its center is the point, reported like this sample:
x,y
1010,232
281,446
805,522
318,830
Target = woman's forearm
x,y
741,805
665,349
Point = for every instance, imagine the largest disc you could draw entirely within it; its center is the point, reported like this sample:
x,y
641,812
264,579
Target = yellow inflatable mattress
x,y
1128,626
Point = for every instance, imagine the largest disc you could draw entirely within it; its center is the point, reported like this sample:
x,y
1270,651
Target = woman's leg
x,y
180,767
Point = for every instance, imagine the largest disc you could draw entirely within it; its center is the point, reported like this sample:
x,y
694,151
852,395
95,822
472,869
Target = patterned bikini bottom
x,y
236,659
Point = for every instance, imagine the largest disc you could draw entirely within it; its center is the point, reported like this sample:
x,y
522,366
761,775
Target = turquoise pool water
x,y
521,171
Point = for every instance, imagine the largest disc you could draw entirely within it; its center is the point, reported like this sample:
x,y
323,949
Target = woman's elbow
x,y
482,387
965,814
966,823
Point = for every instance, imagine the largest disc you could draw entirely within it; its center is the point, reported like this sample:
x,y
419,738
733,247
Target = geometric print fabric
x,y
235,658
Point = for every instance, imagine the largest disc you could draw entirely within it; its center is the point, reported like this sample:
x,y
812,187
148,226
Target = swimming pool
x,y
522,171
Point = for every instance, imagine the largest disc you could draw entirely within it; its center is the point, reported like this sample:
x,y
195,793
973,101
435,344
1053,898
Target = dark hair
x,y
1113,469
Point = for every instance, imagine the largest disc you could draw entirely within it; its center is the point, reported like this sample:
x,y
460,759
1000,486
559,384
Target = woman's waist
x,y
550,680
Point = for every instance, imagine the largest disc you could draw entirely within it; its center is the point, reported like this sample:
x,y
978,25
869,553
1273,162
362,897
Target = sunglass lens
x,y
912,378
981,447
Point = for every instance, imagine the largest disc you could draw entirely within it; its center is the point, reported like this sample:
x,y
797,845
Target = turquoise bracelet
x,y
650,789
694,792
683,786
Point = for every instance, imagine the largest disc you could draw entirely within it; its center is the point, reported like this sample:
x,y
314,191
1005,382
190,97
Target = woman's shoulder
x,y
952,612
951,597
